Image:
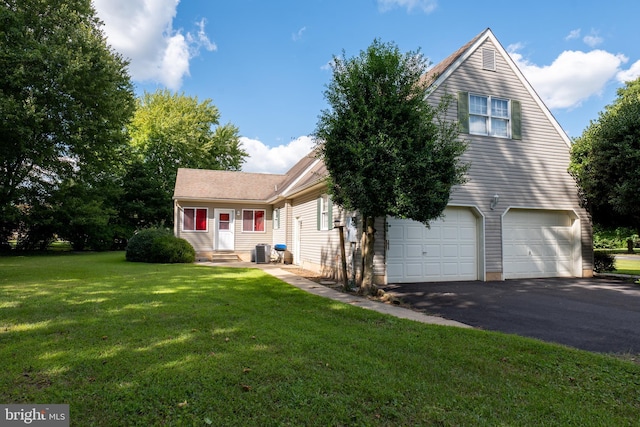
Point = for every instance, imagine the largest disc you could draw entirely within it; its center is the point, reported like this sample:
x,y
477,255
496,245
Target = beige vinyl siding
x,y
243,241
200,240
379,251
280,234
246,241
528,173
319,250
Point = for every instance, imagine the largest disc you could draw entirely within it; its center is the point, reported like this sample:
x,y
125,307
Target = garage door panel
x,y
413,270
396,251
448,250
395,234
413,251
537,244
450,233
433,251
413,233
467,251
432,270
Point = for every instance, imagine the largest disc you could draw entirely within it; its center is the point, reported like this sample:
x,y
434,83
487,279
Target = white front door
x,y
225,226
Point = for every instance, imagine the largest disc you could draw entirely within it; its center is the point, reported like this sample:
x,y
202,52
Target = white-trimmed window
x,y
253,220
276,218
195,219
489,115
324,212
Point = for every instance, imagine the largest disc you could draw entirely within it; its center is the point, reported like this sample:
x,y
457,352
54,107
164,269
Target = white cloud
x,y
280,159
142,31
592,40
297,36
572,77
427,6
574,34
631,74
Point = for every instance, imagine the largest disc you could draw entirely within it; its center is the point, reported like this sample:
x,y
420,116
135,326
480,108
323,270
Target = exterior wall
x,y
527,173
244,242
280,234
319,249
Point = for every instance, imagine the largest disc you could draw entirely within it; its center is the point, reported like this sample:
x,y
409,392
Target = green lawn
x,y
141,344
626,266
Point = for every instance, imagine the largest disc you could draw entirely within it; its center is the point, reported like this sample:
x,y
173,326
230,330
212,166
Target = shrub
x,y
140,244
603,262
170,249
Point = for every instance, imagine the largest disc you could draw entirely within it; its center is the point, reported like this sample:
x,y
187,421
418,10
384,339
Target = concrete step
x,y
224,257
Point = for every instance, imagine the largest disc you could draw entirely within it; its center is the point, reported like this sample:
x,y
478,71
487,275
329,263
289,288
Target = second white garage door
x,y
539,244
447,251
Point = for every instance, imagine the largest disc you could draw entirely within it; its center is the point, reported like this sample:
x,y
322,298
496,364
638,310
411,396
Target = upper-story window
x,y
489,115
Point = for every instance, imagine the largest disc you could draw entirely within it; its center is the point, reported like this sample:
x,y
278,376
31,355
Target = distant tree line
x,y
81,159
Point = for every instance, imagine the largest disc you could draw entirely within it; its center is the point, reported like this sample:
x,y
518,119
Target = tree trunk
x,y
630,244
367,287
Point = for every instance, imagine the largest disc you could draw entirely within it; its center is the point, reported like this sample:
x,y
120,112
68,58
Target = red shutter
x,y
201,219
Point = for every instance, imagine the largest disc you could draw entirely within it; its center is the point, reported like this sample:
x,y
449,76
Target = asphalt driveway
x,y
598,314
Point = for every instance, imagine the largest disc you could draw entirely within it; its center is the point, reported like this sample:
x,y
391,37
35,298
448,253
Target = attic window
x,y
488,59
489,115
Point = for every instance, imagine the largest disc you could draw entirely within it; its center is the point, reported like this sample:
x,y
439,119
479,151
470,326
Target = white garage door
x,y
538,244
445,252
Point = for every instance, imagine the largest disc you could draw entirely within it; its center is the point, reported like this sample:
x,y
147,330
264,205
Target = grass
x,y
628,266
142,344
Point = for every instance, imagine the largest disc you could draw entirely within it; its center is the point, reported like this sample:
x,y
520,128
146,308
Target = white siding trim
x,y
295,182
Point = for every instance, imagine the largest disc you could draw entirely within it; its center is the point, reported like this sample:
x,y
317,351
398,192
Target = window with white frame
x,y
253,220
276,218
324,212
489,116
194,219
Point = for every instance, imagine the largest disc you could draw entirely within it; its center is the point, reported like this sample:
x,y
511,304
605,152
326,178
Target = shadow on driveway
x,y
598,314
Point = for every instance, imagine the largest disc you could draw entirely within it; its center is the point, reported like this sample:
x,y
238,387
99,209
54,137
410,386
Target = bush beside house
x,y
159,245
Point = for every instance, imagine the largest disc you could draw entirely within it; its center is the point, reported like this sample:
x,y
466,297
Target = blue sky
x,y
264,64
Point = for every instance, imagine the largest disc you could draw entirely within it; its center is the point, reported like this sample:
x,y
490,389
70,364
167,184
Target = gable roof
x,y
444,69
197,184
201,184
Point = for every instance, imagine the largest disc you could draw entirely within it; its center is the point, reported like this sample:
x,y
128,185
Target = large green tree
x,y
605,162
387,149
170,131
65,98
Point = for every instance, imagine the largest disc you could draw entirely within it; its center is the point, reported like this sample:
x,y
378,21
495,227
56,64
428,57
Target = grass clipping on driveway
x,y
143,344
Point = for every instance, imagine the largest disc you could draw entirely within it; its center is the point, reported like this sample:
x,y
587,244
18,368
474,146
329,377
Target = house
x,y
518,216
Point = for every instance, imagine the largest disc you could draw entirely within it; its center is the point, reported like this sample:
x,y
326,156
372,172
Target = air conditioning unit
x,y
263,253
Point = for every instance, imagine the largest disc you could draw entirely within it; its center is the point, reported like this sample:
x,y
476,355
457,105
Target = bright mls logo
x,y
35,415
